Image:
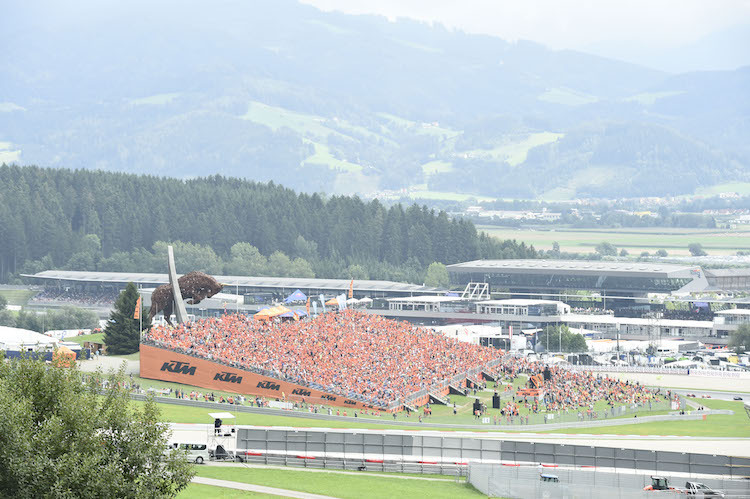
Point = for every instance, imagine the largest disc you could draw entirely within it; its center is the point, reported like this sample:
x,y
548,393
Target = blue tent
x,y
292,313
450,293
296,296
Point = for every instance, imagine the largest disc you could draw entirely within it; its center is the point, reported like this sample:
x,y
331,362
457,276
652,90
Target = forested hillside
x,y
94,220
337,103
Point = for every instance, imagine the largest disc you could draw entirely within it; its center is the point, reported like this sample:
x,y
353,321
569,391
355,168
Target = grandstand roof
x,y
427,299
520,302
734,311
243,281
580,267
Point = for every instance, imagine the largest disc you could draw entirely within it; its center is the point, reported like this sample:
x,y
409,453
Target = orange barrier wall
x,y
166,365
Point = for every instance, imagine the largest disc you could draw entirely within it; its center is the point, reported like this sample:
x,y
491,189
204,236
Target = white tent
x,y
12,338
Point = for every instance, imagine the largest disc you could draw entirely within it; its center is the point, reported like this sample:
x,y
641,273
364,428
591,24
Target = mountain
x,y
326,101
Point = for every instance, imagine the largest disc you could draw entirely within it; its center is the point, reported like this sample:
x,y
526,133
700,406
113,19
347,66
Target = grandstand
x,y
347,358
631,279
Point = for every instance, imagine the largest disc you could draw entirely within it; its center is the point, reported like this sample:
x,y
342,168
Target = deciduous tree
x,y
59,437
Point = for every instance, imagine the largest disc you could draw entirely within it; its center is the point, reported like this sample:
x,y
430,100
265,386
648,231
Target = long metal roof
x,y
244,281
576,267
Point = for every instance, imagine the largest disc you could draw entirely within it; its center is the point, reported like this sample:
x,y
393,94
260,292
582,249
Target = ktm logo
x,y
350,402
175,366
228,377
329,397
300,391
269,385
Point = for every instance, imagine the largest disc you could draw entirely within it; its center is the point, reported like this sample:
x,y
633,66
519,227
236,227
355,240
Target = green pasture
x,y
199,491
18,297
736,425
446,196
635,240
742,188
156,100
437,166
343,485
323,156
421,128
95,338
513,150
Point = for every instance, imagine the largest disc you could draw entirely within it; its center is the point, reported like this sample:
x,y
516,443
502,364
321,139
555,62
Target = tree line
x,y
97,220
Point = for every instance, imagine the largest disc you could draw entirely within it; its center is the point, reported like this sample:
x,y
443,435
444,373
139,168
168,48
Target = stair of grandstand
x,y
437,399
456,390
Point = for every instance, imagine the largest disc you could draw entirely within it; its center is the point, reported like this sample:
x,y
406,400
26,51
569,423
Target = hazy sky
x,y
600,26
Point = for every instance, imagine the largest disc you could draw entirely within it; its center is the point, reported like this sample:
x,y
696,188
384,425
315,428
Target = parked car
x,y
701,490
737,397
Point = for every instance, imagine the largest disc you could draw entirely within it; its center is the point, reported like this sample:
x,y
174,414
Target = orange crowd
x,y
349,353
570,390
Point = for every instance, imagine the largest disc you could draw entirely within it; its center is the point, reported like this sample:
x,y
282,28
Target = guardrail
x,y
448,450
660,370
213,406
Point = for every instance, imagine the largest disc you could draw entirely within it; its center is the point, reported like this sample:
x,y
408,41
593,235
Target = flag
x,y
351,289
510,337
308,306
137,313
323,303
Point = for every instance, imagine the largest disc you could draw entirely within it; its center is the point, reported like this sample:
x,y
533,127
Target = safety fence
x,y
383,447
715,373
522,482
550,425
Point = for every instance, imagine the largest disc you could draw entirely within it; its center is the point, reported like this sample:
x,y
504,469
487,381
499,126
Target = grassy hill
x,y
331,102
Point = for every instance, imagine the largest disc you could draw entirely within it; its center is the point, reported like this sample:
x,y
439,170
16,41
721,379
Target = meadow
x,y
345,485
635,240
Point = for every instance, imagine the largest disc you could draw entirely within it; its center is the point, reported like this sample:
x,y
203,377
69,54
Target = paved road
x,y
685,382
716,395
110,364
257,488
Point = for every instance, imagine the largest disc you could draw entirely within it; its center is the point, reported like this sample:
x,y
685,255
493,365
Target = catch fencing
x,y
518,482
384,447
553,424
712,373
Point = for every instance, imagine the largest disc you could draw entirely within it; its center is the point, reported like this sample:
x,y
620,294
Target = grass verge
x,y
349,485
736,425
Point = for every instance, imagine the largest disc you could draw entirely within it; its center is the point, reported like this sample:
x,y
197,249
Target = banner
x,y
315,308
351,289
341,299
307,306
137,313
323,303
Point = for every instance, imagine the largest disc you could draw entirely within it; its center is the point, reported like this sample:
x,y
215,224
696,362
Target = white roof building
x,y
12,338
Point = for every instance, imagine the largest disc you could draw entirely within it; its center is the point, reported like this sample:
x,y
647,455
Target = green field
x,y
96,338
437,166
18,297
736,425
514,150
323,156
198,491
742,188
343,485
634,240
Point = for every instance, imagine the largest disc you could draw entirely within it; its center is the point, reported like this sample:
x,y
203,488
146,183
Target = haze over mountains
x,y
337,103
